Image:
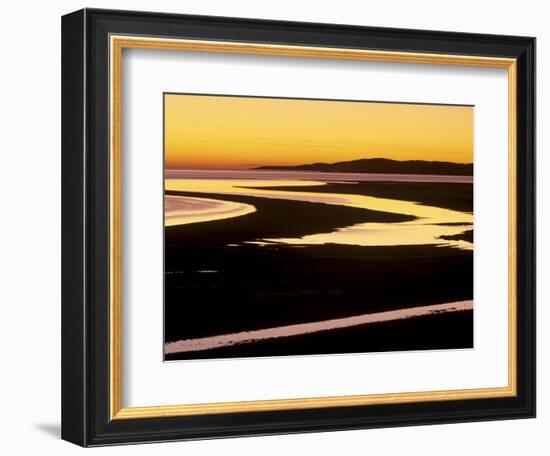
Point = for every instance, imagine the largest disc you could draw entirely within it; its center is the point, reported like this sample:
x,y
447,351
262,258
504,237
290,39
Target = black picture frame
x,y
86,416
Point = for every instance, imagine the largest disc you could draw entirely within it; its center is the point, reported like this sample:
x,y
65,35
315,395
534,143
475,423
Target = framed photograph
x,y
279,227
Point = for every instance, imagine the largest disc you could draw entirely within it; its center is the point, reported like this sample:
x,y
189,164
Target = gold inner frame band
x,y
117,44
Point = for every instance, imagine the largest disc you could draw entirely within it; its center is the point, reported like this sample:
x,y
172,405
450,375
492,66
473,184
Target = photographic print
x,y
316,226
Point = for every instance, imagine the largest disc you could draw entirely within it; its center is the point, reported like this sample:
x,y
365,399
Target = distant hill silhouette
x,y
383,165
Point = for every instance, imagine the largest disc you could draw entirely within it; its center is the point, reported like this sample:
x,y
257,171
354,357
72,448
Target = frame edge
x,y
73,303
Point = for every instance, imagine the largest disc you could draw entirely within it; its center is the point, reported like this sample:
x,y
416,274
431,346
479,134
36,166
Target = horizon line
x,y
255,167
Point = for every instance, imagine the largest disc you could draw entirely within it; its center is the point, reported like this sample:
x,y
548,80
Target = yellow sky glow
x,y
203,131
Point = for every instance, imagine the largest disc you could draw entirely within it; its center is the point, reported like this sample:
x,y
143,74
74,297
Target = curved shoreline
x,y
423,224
183,210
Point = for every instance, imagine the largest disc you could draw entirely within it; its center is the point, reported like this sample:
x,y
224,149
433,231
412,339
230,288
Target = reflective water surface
x,y
429,225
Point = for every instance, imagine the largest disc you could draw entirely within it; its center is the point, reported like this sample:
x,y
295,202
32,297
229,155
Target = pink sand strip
x,y
244,337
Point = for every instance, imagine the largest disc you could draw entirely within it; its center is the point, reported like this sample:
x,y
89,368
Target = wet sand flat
x,y
219,282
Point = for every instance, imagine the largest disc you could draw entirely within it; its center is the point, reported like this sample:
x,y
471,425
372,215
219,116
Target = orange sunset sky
x,y
219,132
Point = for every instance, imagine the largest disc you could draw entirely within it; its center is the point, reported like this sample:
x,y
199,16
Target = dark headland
x,y
384,166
